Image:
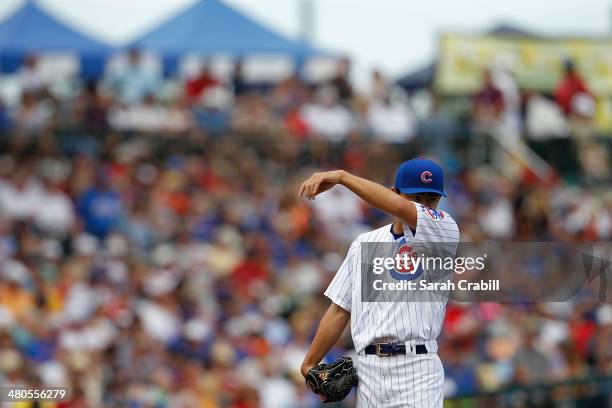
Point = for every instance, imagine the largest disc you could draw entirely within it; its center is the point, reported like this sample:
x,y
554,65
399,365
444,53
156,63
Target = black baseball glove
x,y
332,381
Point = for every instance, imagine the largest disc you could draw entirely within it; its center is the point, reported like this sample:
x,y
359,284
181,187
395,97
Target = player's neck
x,y
398,228
433,206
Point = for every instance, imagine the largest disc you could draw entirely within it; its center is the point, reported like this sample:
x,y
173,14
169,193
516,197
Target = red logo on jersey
x,y
426,177
403,263
407,266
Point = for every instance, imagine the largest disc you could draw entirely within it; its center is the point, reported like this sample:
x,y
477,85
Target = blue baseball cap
x,y
420,176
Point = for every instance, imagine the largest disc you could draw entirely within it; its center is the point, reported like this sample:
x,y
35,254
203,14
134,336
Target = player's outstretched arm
x,y
372,193
330,329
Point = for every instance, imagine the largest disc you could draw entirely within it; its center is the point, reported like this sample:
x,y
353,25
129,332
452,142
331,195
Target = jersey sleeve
x,y
340,290
437,228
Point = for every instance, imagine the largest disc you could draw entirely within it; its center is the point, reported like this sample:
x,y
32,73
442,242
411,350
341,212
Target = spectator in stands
x,y
531,365
239,85
578,104
327,117
33,114
20,194
92,109
379,88
543,118
391,122
488,103
289,93
341,214
31,78
134,81
570,87
294,124
341,81
196,87
288,97
55,211
503,78
100,207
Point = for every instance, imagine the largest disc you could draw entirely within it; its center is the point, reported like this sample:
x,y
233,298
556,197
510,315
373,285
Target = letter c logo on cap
x,y
426,177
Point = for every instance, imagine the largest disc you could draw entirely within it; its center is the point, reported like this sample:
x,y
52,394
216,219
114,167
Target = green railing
x,y
592,391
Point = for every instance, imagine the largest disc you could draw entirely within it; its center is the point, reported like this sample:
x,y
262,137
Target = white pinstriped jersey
x,y
394,321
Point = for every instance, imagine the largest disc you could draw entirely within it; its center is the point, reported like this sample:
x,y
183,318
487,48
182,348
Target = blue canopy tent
x,y
31,30
211,27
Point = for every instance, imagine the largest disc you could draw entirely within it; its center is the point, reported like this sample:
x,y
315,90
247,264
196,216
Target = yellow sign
x,y
537,65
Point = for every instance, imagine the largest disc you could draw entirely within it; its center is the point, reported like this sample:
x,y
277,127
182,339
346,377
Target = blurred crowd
x,y
154,253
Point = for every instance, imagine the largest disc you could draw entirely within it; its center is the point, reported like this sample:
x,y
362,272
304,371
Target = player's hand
x,y
319,182
332,381
305,368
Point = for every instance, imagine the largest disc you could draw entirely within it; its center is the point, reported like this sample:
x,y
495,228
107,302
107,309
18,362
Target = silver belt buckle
x,y
379,353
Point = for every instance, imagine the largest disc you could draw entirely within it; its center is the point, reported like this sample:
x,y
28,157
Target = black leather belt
x,y
391,349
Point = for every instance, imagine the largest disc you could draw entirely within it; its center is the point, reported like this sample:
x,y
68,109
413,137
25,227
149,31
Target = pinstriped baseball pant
x,y
400,381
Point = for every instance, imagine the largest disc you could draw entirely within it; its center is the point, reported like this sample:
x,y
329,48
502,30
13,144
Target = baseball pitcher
x,y
397,363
